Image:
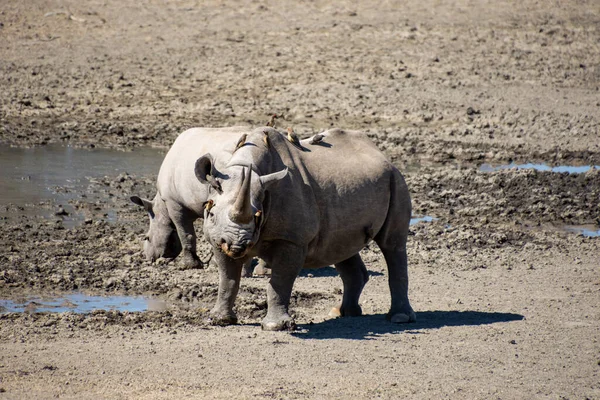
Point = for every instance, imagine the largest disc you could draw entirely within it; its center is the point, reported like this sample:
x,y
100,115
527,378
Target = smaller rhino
x,y
180,198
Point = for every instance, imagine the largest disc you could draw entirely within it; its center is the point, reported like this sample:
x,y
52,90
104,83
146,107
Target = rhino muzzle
x,y
236,250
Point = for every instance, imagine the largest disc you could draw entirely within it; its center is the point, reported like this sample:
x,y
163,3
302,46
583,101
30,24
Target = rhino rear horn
x,y
267,180
241,211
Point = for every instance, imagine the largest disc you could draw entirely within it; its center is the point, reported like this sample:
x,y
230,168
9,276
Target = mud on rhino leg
x,y
230,273
397,262
354,276
184,223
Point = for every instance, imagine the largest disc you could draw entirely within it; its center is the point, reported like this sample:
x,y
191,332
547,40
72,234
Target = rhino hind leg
x,y
397,262
354,277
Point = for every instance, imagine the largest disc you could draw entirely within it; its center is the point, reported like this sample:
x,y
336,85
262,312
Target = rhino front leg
x,y
354,276
184,224
230,272
285,266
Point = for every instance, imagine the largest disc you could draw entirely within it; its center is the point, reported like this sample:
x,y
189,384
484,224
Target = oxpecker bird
x,y
271,122
293,138
316,139
241,142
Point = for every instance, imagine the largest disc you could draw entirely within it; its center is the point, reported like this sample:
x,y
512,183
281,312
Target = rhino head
x,y
162,239
235,212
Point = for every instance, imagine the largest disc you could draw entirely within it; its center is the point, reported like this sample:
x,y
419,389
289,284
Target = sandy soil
x,y
508,302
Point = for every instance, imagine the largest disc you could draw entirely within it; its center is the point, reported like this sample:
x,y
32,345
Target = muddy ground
x,y
508,302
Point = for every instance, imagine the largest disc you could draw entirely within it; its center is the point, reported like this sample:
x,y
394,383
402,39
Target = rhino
x,y
180,198
305,204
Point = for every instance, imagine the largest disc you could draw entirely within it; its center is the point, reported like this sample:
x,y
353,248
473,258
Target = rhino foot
x,y
222,320
342,311
286,323
190,263
402,317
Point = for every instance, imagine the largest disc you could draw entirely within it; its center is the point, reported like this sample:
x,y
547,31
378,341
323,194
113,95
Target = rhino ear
x,y
267,180
204,168
147,204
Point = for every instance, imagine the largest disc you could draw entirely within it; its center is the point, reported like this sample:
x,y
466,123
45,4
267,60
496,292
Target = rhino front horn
x,y
241,212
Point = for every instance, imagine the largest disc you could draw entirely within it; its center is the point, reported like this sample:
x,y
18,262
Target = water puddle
x,y
59,174
425,218
540,167
585,230
80,303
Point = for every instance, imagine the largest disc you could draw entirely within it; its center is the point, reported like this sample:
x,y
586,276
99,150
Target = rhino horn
x,y
268,180
242,208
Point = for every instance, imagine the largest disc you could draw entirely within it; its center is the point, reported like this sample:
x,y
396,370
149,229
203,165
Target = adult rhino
x,y
180,198
301,205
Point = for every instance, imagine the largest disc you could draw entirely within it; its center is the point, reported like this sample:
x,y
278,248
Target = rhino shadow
x,y
370,327
328,271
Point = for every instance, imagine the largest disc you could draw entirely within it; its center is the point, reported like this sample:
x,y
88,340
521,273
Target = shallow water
x,y
540,167
80,303
61,173
425,218
585,230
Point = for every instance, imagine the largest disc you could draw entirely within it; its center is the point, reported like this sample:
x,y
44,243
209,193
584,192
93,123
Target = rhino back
x,y
350,181
176,179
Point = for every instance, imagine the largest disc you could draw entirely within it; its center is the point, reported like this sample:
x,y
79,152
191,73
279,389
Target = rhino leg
x,y
397,262
391,239
286,264
230,273
354,276
184,224
248,268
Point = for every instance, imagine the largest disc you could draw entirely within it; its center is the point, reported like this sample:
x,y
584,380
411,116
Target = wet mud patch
x,y
508,195
40,315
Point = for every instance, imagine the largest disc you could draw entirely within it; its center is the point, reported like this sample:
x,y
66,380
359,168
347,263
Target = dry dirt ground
x,y
508,302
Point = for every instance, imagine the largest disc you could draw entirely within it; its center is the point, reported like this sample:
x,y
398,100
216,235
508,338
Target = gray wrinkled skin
x,y
180,198
306,206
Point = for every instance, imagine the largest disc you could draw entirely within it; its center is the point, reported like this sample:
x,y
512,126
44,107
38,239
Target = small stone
x,y
472,111
61,211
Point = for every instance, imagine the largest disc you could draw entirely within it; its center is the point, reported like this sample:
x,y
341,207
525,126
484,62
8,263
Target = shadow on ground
x,y
371,326
328,271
